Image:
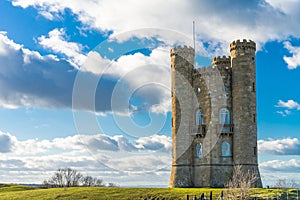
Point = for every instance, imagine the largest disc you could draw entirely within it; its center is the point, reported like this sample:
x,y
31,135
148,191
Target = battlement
x,y
245,44
182,50
225,60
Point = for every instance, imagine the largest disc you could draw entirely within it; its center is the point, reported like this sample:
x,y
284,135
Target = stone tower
x,y
213,117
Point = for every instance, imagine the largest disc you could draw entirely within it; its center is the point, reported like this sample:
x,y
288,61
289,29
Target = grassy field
x,y
23,192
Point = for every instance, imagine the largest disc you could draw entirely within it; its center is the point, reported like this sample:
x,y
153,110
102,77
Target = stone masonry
x,y
213,117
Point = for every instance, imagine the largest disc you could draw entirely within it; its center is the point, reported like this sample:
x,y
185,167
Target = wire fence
x,y
272,194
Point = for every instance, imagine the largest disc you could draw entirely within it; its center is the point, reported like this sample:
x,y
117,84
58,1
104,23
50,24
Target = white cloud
x,y
57,42
132,69
141,163
286,146
7,45
291,165
96,143
290,104
289,7
294,61
284,113
7,142
155,142
273,170
216,21
29,79
142,75
138,170
113,158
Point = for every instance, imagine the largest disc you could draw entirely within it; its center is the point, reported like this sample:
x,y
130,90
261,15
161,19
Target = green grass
x,y
13,188
23,192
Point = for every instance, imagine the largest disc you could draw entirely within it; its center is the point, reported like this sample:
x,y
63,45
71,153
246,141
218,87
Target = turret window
x,y
199,117
224,88
224,116
198,150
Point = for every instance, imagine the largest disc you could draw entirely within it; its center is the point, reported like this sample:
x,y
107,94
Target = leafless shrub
x,y
240,184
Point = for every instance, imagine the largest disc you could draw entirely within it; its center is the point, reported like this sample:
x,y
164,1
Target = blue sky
x,y
86,83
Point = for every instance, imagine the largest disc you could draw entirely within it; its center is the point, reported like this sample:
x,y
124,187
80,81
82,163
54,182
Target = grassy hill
x,y
25,192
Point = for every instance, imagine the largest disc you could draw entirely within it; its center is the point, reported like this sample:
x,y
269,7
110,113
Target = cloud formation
x,y
284,113
288,166
137,69
94,143
286,146
7,142
289,105
57,42
273,170
227,21
114,158
141,74
292,61
31,80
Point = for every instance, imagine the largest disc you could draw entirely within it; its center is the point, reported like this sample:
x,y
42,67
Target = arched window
x,y
226,149
224,116
198,90
199,117
198,150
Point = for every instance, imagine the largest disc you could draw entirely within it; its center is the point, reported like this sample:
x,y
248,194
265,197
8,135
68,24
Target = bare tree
x,y
293,183
64,178
46,184
240,184
57,178
98,182
284,183
76,177
71,177
68,177
87,181
68,173
112,185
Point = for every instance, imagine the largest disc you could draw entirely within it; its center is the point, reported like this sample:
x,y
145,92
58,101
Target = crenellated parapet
x,y
225,60
238,47
184,52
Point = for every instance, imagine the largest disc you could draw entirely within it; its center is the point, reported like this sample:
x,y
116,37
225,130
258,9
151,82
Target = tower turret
x,y
182,67
244,105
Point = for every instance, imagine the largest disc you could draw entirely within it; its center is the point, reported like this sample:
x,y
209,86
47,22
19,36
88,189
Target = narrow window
x,y
198,150
199,117
224,116
253,87
224,88
226,149
254,118
255,151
